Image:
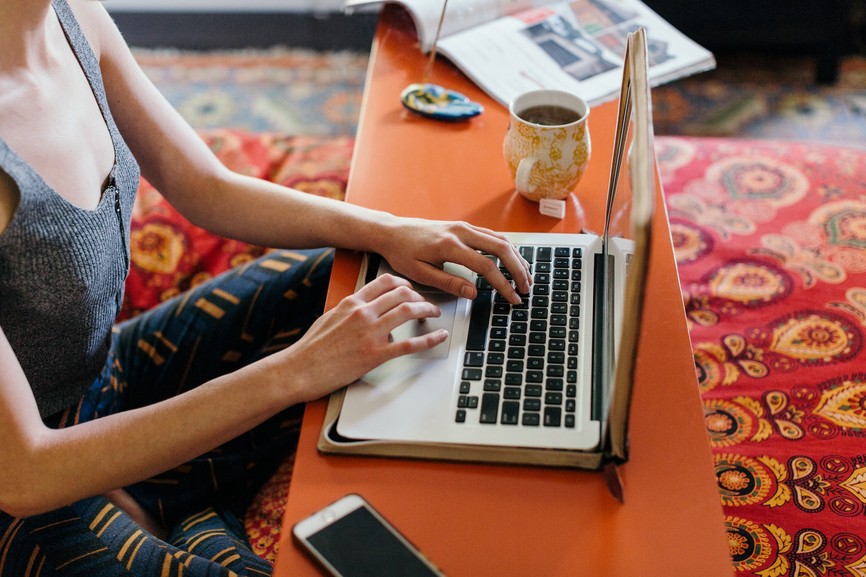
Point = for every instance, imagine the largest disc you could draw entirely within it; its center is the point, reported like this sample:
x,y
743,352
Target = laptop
x,y
551,376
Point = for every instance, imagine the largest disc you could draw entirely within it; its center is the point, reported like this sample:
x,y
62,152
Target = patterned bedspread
x,y
769,239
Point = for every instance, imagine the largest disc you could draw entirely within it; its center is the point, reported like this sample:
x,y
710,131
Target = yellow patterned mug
x,y
547,144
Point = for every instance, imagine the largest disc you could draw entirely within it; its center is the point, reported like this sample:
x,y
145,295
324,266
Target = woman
x,y
133,449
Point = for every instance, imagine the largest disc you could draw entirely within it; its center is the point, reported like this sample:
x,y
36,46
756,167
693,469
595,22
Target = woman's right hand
x,y
355,337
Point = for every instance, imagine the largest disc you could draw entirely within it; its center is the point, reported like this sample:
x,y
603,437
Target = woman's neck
x,y
25,30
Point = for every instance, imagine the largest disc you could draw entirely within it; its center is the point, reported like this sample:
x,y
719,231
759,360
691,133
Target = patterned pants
x,y
215,328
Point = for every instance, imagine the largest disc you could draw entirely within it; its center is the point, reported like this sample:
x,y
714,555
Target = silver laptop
x,y
537,375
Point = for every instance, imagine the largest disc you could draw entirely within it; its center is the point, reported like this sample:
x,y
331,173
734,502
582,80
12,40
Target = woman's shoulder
x,y
94,21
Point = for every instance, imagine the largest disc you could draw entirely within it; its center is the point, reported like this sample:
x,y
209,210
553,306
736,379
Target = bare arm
x,y
178,163
36,463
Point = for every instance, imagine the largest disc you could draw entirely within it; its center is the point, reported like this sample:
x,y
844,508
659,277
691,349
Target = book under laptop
x,y
546,382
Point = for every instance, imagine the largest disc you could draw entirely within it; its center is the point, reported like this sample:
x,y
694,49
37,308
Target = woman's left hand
x,y
420,248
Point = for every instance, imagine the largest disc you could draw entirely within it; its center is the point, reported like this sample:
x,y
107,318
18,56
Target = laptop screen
x,y
629,217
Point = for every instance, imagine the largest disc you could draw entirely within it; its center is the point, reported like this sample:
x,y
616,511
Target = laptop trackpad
x,y
448,305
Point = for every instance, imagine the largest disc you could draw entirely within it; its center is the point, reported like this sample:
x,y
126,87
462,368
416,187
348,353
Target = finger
x,y
407,311
394,298
418,344
487,265
498,245
380,286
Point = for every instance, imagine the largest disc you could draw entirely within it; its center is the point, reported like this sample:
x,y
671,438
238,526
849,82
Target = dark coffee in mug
x,y
549,115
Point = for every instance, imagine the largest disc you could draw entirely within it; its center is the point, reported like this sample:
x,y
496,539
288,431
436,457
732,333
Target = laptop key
x,y
553,385
510,412
516,352
489,408
543,253
478,320
471,375
493,385
531,419
512,393
514,366
519,315
534,376
533,390
493,372
517,340
552,416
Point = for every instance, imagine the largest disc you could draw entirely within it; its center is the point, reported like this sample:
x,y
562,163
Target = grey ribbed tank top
x,y
62,268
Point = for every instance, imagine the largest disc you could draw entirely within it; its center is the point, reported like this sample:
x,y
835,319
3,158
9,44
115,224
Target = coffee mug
x,y
547,144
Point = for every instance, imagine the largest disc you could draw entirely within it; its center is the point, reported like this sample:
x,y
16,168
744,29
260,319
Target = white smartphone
x,y
351,539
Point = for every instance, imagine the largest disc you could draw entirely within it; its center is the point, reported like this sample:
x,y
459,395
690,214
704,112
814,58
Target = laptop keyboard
x,y
520,366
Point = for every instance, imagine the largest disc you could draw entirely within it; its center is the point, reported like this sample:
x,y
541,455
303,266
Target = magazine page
x,y
460,14
574,46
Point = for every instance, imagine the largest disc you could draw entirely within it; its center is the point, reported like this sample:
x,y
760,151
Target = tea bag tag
x,y
552,207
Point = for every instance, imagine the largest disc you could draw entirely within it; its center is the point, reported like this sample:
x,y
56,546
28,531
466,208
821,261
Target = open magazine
x,y
508,47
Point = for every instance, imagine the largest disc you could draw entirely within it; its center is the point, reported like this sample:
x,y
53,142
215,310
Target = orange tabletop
x,y
477,520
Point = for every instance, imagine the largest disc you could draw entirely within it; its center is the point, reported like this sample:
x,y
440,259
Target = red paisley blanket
x,y
770,239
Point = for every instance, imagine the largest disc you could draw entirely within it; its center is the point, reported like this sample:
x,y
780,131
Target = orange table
x,y
478,520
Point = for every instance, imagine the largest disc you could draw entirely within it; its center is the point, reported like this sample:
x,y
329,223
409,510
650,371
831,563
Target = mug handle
x,y
524,170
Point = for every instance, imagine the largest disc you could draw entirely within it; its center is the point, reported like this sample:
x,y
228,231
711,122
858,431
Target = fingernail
x,y
467,292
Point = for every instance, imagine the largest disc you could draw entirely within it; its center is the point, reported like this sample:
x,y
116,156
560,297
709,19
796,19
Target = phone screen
x,y
358,545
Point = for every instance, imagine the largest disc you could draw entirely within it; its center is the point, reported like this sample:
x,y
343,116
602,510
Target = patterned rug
x,y
302,92
288,91
770,242
759,97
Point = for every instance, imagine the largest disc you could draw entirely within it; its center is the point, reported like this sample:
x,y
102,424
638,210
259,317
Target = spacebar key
x,y
479,319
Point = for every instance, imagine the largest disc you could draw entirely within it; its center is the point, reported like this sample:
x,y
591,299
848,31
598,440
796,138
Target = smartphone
x,y
351,539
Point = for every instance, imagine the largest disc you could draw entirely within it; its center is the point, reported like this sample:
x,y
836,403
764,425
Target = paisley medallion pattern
x,y
770,240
